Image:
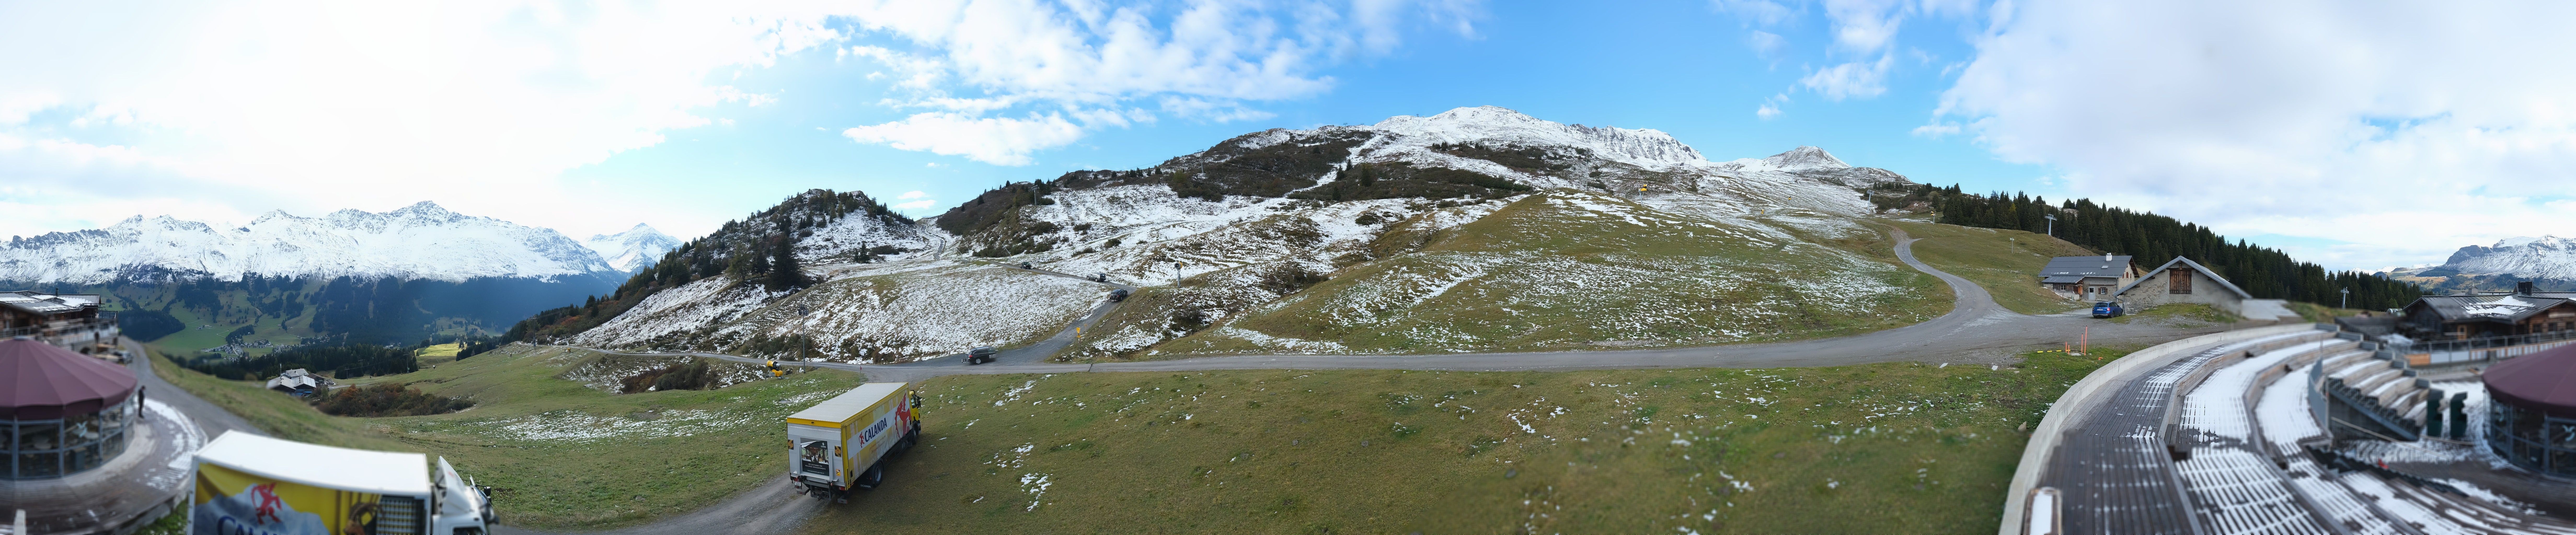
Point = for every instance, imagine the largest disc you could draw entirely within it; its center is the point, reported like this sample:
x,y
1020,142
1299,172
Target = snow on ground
x,y
664,320
920,313
2235,486
1154,229
1443,298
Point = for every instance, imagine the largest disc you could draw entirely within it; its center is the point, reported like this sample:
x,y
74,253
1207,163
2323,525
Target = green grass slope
x,y
1567,269
560,455
2005,262
1885,448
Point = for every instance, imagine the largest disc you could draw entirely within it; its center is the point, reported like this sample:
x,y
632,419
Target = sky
x,y
2353,134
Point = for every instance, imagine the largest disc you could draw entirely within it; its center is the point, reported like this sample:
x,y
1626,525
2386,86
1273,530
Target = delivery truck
x,y
841,444
254,484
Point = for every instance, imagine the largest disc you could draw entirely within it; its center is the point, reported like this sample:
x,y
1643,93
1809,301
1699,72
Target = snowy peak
x,y
1805,159
421,241
1502,126
636,248
2545,257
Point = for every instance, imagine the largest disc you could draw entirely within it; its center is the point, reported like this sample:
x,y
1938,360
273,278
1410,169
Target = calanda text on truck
x,y
841,444
250,484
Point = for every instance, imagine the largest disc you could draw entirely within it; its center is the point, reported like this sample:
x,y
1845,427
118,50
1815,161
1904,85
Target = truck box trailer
x,y
839,445
254,484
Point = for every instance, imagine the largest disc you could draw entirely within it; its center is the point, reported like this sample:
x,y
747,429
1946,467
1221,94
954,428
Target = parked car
x,y
1025,265
2107,309
1100,277
1117,295
981,355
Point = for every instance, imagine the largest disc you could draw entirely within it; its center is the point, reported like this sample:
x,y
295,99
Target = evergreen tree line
x,y
2264,272
342,360
758,248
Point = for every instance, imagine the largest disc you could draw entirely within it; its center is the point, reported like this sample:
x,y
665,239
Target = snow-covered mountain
x,y
2548,261
633,249
2545,257
1630,226
421,241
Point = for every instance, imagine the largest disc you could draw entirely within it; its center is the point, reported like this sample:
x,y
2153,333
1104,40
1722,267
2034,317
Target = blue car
x,y
2107,309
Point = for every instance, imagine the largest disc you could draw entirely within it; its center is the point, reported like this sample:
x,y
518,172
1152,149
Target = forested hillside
x,y
2154,239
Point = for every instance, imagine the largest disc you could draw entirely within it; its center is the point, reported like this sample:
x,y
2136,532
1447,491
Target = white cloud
x,y
1849,80
2404,130
1765,43
1767,111
916,194
923,204
1200,61
998,141
293,104
1864,26
298,104
1936,130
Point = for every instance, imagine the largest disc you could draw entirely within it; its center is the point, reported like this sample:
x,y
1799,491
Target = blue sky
x,y
1687,69
2355,136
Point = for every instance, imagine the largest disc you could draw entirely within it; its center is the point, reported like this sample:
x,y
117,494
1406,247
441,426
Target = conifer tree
x,y
783,271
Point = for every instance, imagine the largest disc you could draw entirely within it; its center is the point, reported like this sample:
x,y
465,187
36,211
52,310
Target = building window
x,y
2180,281
45,449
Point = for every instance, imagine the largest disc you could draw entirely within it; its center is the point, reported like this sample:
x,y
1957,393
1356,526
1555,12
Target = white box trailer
x,y
254,484
839,445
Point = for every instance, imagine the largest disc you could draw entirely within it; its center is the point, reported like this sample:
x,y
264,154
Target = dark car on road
x,y
1117,295
2107,309
981,355
1025,265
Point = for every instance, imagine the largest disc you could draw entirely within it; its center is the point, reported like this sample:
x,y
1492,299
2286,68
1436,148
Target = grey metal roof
x,y
2169,264
2091,266
2508,308
2062,279
40,303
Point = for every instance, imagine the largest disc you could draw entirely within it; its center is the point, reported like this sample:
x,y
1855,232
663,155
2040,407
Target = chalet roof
x,y
2195,266
2088,266
2062,279
2506,308
34,302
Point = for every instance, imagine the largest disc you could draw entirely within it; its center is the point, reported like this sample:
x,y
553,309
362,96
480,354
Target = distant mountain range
x,y
421,241
2547,261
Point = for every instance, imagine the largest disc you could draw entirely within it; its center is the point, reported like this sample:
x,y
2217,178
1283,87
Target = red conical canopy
x,y
41,382
2543,381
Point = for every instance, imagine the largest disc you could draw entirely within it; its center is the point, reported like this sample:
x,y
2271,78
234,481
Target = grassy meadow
x,y
560,454
2005,262
1888,448
1883,448
1566,270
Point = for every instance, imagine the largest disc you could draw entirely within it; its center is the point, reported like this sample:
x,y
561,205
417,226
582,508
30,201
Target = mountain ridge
x,y
420,241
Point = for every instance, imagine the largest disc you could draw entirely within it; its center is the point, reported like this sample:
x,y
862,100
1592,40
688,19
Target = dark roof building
x,y
2087,277
2463,317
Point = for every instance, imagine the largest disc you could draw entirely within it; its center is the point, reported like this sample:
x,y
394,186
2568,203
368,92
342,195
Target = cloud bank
x,y
2376,134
